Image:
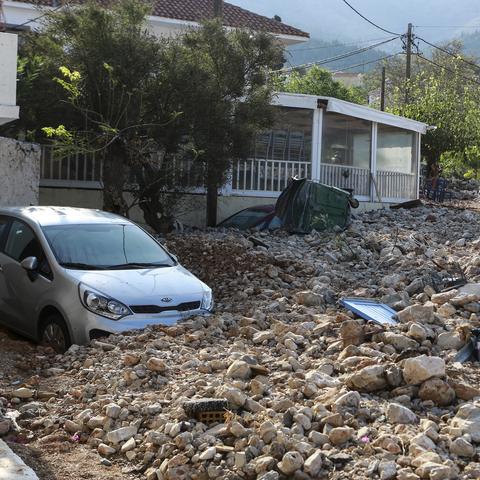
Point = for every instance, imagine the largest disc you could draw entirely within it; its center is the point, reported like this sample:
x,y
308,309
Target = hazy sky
x,y
333,19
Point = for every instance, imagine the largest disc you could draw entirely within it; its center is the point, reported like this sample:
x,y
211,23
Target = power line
x,y
444,50
448,69
368,20
447,26
342,56
341,45
367,63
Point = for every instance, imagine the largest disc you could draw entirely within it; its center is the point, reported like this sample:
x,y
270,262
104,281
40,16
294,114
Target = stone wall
x,y
19,173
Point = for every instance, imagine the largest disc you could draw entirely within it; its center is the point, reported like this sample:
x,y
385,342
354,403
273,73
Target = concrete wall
x,y
8,77
190,210
19,173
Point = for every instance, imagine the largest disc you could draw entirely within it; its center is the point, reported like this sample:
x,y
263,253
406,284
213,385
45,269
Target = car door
x,y
5,314
23,290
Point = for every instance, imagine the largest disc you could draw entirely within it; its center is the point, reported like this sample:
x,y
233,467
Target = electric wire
x,y
341,45
444,50
341,56
368,20
368,63
448,69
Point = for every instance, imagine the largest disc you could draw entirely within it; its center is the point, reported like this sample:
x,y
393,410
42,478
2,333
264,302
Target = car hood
x,y
144,286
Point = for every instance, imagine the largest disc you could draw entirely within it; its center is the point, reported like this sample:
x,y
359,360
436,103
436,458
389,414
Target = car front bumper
x,y
86,322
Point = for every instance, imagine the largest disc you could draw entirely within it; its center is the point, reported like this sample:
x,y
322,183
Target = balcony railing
x,y
251,177
254,175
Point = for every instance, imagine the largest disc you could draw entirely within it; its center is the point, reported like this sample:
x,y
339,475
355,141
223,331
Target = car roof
x,y
45,216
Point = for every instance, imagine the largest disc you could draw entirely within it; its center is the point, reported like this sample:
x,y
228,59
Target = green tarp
x,y
305,205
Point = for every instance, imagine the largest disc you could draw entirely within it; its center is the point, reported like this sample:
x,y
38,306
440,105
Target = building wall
x,y
19,173
8,77
190,210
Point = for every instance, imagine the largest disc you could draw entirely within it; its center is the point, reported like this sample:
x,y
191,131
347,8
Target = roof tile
x,y
198,10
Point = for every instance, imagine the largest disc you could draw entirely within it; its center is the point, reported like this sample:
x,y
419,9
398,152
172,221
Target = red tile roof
x,y
198,10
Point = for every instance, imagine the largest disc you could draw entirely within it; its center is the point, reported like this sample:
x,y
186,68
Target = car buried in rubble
x,y
69,275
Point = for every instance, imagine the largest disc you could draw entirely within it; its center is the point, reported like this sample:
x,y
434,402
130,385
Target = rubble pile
x,y
310,391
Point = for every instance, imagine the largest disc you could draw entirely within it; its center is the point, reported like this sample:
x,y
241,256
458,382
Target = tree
x,y
224,92
443,96
108,65
318,81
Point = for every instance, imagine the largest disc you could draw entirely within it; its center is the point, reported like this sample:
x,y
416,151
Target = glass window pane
x,y
396,150
104,245
22,243
346,141
290,139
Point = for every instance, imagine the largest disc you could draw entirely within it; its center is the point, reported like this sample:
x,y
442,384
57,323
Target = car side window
x,y
22,243
3,229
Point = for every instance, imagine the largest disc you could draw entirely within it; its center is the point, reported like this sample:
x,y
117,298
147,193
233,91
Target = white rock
x,y
239,369
418,369
291,462
313,463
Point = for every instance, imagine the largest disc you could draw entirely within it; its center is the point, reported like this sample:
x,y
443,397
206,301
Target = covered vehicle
x,y
68,275
303,206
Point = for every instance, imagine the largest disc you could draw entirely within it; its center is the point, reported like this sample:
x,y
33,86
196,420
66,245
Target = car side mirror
x,y
30,264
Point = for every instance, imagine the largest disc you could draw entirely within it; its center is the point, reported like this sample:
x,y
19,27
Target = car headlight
x,y
207,300
102,304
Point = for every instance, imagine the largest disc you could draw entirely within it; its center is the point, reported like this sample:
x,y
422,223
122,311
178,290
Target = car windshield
x,y
244,219
105,246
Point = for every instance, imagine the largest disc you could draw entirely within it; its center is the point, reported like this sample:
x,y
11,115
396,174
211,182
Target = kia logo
x,y
166,300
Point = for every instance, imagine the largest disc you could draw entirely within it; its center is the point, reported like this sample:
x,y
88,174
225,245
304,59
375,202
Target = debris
x,y
370,310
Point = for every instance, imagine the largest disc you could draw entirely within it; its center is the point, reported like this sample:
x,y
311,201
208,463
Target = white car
x,y
68,275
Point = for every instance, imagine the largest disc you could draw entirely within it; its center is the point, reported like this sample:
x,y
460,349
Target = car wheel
x,y
54,334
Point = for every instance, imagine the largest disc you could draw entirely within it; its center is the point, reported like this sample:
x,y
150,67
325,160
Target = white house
x,y
8,78
373,154
169,17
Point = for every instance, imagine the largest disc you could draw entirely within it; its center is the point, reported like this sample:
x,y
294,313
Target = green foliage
x,y
318,81
110,87
443,98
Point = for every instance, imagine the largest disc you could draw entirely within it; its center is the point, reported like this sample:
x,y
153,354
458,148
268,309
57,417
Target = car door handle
x,y
1,269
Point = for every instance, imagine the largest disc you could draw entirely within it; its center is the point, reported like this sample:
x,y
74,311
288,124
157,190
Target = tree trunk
x,y
114,174
212,201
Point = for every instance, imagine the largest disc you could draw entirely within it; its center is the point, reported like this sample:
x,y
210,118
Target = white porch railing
x,y
395,185
266,175
251,177
82,170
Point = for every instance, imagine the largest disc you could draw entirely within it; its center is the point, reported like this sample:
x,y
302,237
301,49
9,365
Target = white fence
x,y
250,177
266,175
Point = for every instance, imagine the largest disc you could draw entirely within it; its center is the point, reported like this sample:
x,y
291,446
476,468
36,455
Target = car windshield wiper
x,y
133,265
81,266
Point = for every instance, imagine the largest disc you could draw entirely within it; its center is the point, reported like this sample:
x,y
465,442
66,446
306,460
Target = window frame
x,y
3,244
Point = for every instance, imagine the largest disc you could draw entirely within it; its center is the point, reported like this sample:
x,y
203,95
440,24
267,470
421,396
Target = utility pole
x,y
408,71
382,91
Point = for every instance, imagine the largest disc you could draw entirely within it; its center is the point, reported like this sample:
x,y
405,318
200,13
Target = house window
x,y
346,141
396,150
289,140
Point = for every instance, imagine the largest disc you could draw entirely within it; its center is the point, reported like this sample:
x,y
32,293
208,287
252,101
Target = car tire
x,y
54,333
